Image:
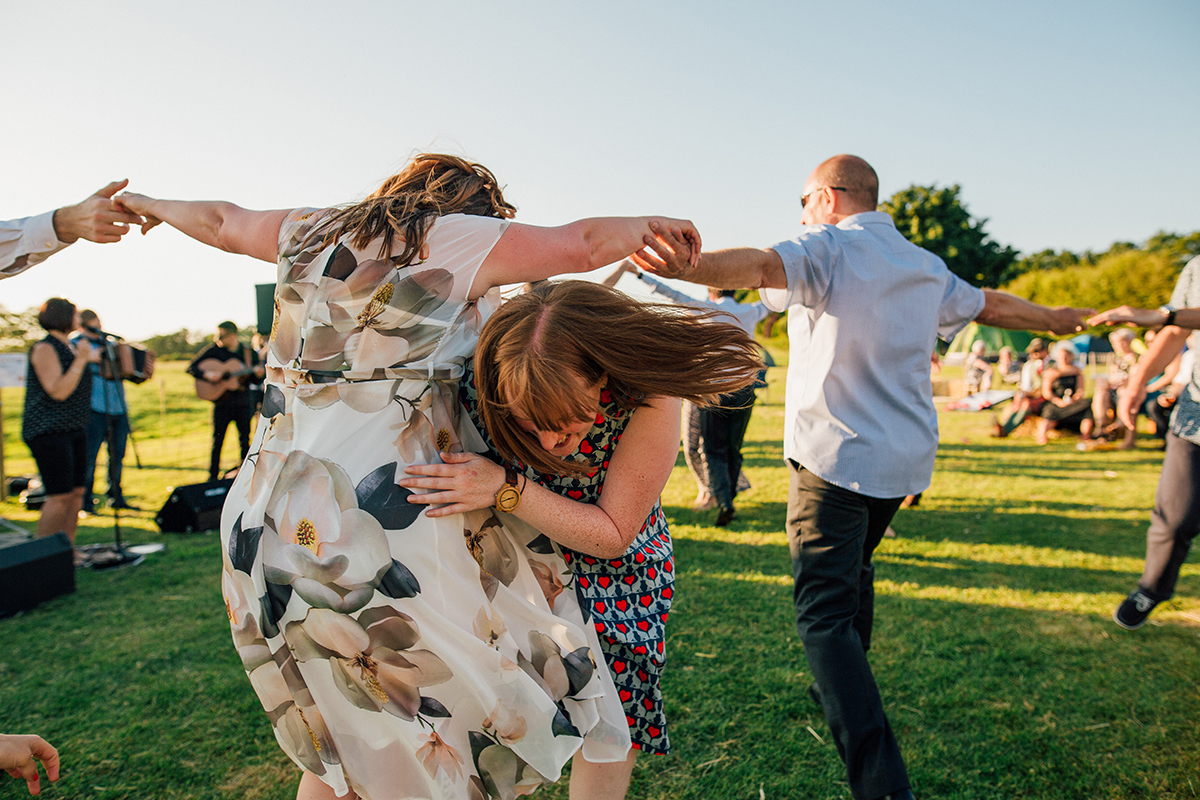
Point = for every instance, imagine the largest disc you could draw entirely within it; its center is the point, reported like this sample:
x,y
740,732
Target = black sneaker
x,y
1132,612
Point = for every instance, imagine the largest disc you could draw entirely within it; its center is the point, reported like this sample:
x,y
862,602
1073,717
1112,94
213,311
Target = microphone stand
x,y
109,556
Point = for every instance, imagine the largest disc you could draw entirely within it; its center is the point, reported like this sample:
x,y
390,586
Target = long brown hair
x,y
406,204
540,347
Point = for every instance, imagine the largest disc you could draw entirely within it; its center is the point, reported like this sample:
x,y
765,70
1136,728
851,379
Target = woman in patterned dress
x,y
579,387
397,654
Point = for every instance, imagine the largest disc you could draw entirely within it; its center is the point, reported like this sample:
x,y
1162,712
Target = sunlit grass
x,y
999,666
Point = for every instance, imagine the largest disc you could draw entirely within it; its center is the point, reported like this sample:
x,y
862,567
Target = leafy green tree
x,y
937,220
19,330
182,344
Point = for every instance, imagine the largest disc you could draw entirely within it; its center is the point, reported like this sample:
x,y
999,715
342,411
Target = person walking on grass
x,y
865,307
1175,520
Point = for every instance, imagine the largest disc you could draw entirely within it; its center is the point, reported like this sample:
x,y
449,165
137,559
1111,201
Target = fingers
x,y
44,752
113,188
28,772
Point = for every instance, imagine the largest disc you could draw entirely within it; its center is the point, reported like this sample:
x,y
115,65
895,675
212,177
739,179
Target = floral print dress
x,y
627,598
395,654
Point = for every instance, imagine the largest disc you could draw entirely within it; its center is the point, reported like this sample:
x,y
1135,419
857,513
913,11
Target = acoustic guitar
x,y
231,380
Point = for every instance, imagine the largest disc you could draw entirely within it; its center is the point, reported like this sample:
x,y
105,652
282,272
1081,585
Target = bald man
x,y
865,308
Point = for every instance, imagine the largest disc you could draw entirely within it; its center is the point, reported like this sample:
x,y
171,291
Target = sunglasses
x,y
804,197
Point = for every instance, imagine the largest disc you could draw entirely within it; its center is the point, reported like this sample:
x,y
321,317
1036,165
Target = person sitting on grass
x,y
977,370
1008,367
1064,388
1028,399
1104,403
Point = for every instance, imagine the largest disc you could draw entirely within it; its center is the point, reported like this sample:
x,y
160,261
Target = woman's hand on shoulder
x,y
462,482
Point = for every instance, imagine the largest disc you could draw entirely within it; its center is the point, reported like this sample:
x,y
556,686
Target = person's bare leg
x,y
601,781
72,521
313,788
60,513
1044,428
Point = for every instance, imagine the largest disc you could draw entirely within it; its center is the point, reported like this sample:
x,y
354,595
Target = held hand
x,y
674,255
1129,400
139,204
98,218
463,482
1138,317
19,756
1066,320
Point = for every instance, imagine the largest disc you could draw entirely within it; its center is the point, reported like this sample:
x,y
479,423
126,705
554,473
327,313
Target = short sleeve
x,y
295,229
961,303
1187,288
808,265
459,244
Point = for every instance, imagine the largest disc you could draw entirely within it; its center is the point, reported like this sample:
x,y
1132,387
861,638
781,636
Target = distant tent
x,y
994,337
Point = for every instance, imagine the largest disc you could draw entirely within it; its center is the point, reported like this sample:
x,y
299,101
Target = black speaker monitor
x,y
35,570
194,508
264,299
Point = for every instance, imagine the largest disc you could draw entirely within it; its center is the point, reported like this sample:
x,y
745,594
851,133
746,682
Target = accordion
x,y
136,364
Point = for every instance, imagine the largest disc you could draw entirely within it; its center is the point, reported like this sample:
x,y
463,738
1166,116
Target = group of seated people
x,y
1052,387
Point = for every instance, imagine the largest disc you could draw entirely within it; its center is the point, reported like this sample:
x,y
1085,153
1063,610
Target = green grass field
x,y
1001,670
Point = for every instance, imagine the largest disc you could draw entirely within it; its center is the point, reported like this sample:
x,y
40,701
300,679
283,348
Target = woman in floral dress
x,y
579,387
397,654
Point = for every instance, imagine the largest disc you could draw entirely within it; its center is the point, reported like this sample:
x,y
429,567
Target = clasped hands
x,y
676,251
99,218
462,482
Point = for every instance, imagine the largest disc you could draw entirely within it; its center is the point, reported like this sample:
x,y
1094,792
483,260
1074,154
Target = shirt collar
x,y
867,218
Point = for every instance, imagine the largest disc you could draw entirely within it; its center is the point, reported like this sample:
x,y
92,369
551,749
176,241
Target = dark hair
x,y
227,326
57,314
534,345
406,204
88,317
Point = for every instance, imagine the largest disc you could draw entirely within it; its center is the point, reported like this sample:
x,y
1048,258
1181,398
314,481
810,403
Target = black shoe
x,y
725,516
903,794
1132,612
123,504
814,692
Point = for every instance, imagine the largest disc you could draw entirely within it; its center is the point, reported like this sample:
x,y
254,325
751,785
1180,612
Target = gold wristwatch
x,y
509,496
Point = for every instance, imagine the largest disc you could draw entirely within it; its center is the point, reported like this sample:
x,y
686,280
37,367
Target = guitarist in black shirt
x,y
222,371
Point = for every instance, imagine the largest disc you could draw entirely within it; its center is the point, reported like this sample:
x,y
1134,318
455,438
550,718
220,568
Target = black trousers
x,y
723,429
237,410
832,533
1175,520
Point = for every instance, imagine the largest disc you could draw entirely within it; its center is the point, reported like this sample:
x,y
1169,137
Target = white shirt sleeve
x,y
961,303
807,262
25,242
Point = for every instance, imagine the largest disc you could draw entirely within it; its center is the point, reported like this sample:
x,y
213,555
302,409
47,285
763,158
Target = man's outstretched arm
x,y
1004,310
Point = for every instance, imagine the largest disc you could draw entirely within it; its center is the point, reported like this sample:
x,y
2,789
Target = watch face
x,y
508,498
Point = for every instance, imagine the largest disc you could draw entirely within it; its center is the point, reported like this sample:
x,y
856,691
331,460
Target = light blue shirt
x,y
865,309
101,386
1185,419
745,315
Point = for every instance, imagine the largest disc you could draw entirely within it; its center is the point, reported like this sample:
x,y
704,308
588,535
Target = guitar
x,y
231,380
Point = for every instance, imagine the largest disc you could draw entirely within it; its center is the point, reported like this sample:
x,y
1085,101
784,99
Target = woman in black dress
x,y
58,389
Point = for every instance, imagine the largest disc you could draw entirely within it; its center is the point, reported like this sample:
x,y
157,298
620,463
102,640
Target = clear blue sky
x,y
1068,124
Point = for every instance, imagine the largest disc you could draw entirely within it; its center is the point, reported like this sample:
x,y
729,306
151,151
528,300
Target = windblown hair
x,y
57,314
540,348
406,204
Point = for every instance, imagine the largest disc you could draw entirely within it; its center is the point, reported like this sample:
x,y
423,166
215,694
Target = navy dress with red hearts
x,y
628,597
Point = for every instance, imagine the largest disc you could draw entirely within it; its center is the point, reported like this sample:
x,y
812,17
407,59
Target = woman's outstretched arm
x,y
532,253
216,223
